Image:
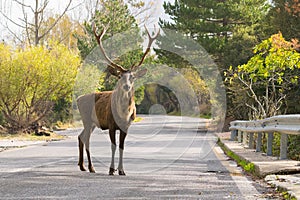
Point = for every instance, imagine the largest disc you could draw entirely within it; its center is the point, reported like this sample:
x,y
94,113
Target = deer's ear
x,y
140,73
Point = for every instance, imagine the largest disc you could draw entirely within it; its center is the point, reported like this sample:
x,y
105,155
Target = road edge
x,y
254,170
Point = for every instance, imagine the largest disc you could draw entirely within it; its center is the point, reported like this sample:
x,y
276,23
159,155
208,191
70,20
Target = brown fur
x,y
101,110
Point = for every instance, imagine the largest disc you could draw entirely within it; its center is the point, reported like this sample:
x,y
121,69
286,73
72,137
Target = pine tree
x,y
224,28
114,14
285,17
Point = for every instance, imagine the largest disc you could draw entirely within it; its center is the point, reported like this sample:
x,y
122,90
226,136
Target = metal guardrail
x,y
283,124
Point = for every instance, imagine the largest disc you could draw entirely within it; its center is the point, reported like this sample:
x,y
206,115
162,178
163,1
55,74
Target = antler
x,y
111,64
151,39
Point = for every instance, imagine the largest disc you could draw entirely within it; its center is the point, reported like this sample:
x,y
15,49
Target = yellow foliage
x,y
32,78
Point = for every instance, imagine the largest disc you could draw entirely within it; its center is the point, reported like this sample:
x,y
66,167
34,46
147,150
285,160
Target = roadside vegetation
x,y
254,43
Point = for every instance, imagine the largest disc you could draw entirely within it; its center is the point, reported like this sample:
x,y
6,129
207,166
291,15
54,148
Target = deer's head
x,y
126,76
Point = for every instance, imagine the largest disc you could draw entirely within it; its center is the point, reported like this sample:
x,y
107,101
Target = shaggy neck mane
x,y
121,102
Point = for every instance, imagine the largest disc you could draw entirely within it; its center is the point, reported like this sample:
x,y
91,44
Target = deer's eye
x,y
131,78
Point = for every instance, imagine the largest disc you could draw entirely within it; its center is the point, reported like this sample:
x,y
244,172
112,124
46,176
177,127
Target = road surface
x,y
165,158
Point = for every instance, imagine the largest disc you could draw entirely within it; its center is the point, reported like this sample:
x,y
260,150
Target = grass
x,y
30,137
205,116
138,119
288,196
247,166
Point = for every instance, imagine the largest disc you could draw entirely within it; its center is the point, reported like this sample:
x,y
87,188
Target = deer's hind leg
x,y
84,140
80,162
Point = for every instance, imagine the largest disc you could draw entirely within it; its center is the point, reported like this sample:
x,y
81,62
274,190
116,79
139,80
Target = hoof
x,y
111,171
122,173
91,169
82,168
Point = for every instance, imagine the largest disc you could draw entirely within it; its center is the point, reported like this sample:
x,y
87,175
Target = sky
x,y
78,12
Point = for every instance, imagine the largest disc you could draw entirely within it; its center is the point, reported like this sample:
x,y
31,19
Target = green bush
x,y
294,147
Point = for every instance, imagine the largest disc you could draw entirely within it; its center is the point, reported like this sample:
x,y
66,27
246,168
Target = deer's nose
x,y
126,87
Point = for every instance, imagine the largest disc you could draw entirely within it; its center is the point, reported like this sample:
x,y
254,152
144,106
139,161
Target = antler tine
x,y
151,40
99,41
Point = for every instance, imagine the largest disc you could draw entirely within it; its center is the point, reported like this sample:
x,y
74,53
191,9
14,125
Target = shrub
x,y
32,80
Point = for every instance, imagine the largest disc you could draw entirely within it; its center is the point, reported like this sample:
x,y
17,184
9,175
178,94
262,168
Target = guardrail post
x,y
240,136
245,135
251,143
259,142
269,144
233,135
284,124
283,146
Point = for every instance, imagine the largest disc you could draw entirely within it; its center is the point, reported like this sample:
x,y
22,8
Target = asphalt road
x,y
164,158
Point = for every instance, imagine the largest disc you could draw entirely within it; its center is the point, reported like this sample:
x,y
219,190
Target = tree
x,y
207,22
63,32
284,17
114,14
227,30
33,30
137,7
264,83
88,80
248,31
32,79
186,98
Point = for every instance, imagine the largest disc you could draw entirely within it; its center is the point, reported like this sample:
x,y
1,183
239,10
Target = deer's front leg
x,y
112,135
121,150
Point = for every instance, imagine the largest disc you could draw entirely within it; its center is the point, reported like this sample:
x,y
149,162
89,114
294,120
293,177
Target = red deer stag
x,y
113,110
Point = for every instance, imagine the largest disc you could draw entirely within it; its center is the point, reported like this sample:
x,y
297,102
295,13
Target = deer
x,y
113,110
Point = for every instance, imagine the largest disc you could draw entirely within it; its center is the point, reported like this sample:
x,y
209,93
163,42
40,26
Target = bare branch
x,y
9,19
141,12
56,21
254,95
23,5
76,6
41,10
15,35
26,24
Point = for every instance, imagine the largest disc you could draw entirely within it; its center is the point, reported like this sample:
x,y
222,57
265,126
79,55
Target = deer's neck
x,y
123,103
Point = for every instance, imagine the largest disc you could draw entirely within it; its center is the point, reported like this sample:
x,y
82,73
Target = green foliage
x,y
226,29
1,119
274,58
266,78
61,111
32,79
247,166
294,147
284,16
139,95
114,14
250,167
89,79
286,195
